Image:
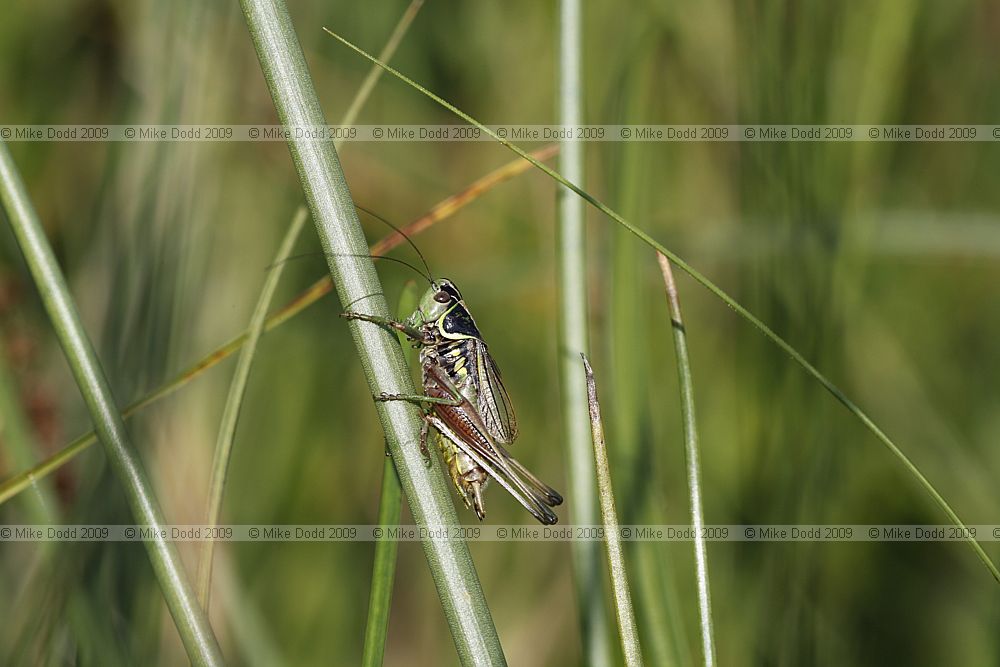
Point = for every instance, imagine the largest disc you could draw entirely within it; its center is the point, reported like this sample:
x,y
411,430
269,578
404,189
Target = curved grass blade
x,y
192,623
796,356
390,505
357,283
627,627
234,401
441,211
693,467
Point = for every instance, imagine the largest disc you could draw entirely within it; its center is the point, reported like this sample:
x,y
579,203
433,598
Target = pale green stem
x,y
693,467
572,280
628,629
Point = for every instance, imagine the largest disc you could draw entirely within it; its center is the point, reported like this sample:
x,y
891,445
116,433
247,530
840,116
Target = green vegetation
x,y
874,261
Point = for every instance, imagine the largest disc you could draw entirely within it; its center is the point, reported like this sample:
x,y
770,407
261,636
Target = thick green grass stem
x,y
357,284
796,356
628,629
572,280
693,466
389,510
192,623
234,402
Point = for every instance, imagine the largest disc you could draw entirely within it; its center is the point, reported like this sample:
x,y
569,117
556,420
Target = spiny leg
x,y
454,399
424,430
409,331
441,376
419,399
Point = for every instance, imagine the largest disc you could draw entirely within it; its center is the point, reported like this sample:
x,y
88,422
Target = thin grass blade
x,y
627,627
234,402
693,466
390,505
374,74
368,85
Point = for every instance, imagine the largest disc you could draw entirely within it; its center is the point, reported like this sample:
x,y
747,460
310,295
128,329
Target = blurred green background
x,y
878,261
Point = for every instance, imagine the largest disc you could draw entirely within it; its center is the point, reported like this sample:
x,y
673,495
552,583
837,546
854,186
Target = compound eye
x,y
442,297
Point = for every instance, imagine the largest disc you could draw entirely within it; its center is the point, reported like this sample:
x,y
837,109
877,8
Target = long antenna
x,y
399,231
320,252
347,306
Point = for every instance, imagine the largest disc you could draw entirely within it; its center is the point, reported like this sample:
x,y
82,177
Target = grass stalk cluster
x,y
191,622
